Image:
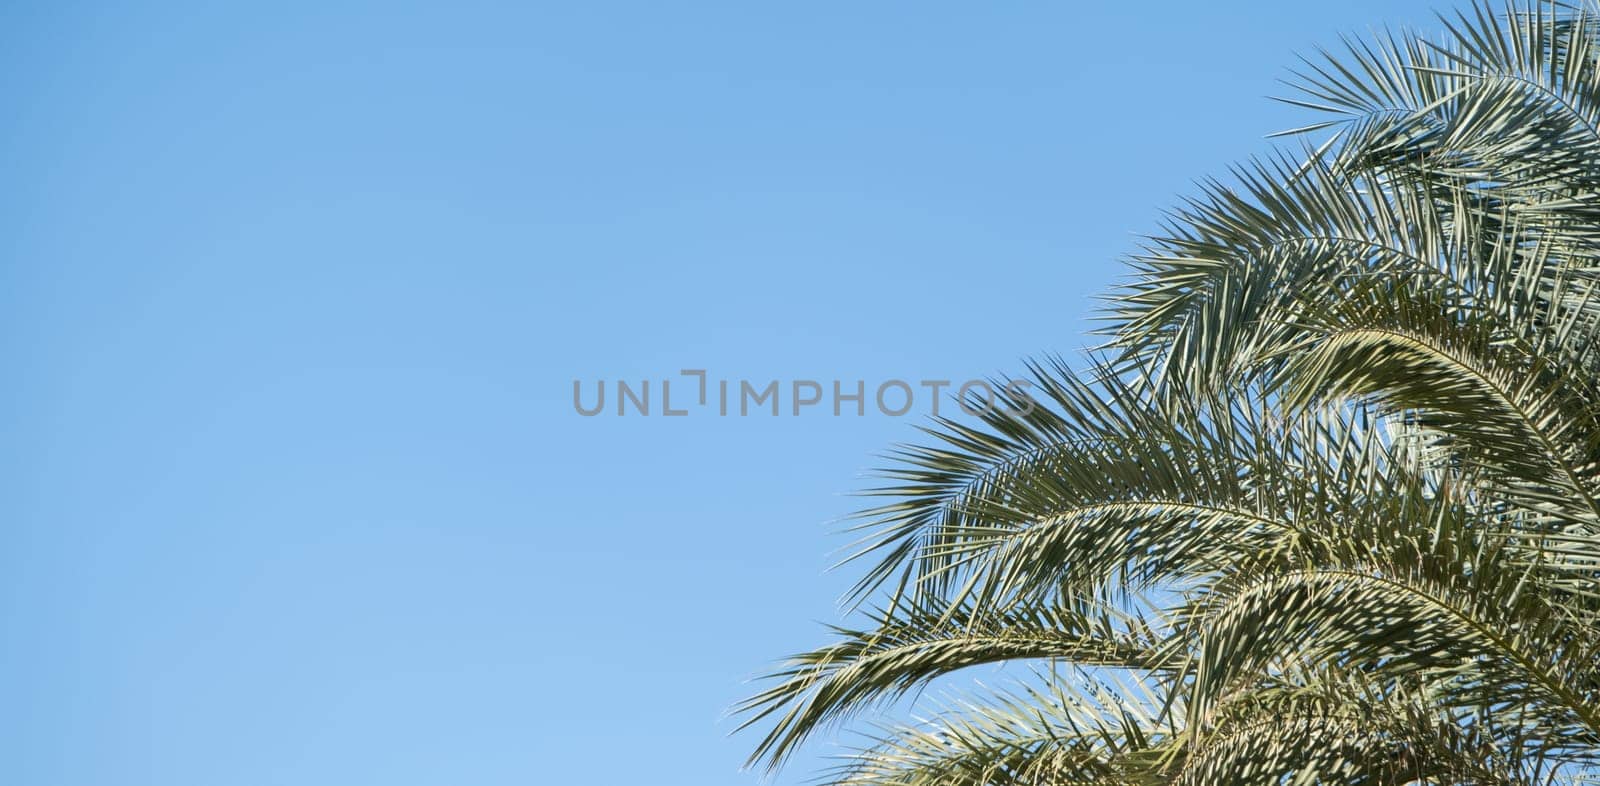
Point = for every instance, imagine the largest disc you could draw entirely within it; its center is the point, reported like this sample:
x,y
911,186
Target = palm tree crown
x,y
1326,505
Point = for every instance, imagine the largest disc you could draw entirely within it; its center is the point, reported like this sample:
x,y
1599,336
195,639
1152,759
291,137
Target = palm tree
x,y
1325,507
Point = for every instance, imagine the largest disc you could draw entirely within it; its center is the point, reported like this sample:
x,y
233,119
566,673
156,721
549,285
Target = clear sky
x,y
293,298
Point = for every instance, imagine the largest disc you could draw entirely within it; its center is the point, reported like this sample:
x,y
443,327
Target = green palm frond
x,y
1509,412
1101,489
1081,732
1344,727
1329,509
910,646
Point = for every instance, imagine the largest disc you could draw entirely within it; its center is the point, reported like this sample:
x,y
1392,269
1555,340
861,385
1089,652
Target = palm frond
x,y
1330,509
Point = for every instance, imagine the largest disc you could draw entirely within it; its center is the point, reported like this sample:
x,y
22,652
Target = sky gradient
x,y
293,299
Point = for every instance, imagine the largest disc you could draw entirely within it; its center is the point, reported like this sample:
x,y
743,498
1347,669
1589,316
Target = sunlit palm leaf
x,y
1330,511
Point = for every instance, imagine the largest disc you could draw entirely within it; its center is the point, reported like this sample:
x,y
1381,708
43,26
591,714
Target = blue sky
x,y
293,298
